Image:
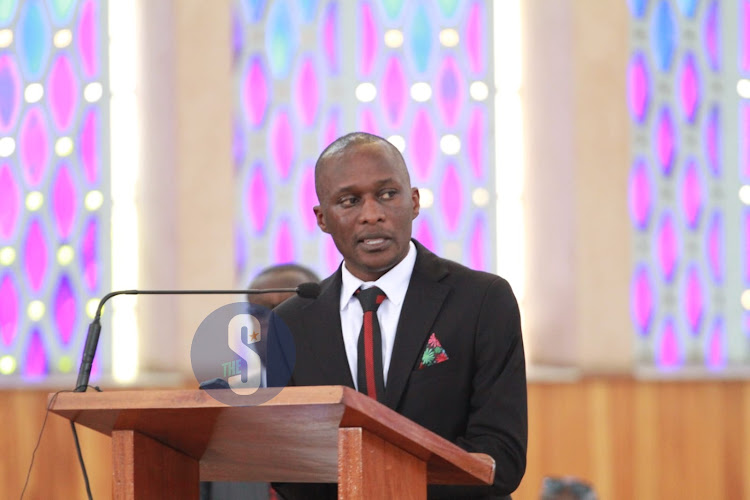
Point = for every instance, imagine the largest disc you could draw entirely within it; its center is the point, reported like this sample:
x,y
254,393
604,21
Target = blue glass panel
x,y
663,34
33,46
420,36
637,7
281,39
687,7
254,9
308,9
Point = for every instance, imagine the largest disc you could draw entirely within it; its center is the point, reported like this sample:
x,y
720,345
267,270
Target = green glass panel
x,y
393,7
448,7
61,8
7,7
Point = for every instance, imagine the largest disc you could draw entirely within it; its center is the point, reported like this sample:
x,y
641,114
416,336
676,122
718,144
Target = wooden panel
x,y
371,468
144,468
631,439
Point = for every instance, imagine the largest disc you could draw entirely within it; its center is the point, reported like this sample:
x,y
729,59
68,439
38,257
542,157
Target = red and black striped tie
x,y
369,351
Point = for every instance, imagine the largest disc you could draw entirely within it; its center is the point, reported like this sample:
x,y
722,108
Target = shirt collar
x,y
394,283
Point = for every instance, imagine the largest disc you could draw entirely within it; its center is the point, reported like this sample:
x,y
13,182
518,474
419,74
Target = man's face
x,y
367,205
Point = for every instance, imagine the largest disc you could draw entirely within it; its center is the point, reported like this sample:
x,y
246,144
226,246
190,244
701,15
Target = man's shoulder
x,y
451,271
295,304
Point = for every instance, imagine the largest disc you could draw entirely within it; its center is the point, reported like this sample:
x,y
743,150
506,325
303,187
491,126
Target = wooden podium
x,y
164,442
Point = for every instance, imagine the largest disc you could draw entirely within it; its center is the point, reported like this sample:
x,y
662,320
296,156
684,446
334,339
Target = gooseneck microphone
x,y
305,290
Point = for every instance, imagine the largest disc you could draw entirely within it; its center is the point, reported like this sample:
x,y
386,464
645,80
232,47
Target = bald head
x,y
345,144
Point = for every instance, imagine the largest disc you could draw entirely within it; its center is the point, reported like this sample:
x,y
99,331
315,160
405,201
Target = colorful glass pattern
x,y
53,259
296,93
690,262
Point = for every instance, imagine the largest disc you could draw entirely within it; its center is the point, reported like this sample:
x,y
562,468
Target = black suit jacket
x,y
476,398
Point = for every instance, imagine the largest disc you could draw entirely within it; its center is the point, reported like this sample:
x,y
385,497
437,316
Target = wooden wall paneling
x,y
630,439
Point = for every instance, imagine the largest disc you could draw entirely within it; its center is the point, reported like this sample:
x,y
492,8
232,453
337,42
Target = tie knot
x,y
370,298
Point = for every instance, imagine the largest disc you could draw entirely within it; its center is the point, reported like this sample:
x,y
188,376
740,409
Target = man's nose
x,y
372,211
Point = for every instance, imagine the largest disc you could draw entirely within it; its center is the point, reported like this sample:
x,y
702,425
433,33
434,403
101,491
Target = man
x,y
276,276
450,337
279,276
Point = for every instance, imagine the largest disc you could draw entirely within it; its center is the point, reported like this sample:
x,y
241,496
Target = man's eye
x,y
348,201
387,195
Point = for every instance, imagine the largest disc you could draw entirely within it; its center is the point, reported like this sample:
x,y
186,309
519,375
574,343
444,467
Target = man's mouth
x,y
374,243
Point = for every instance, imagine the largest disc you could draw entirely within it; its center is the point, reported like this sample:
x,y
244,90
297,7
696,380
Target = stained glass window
x,y
54,181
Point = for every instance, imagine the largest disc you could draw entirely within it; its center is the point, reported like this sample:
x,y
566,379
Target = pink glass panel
x,y
476,134
257,199
308,199
474,36
745,15
332,255
712,141
34,146
669,350
692,195
368,40
638,87
34,366
711,36
639,195
667,247
90,145
476,246
10,93
746,144
35,256
88,38
694,300
642,300
715,248
424,233
96,369
282,144
746,249
63,92
307,93
368,122
665,141
330,42
9,310
451,198
422,145
89,254
716,352
284,248
65,308
331,129
9,202
256,97
64,202
450,92
394,92
689,88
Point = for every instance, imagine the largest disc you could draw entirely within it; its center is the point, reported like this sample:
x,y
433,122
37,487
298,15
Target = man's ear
x,y
414,202
320,218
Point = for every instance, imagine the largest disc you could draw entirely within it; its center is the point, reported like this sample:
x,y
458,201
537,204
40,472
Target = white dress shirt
x,y
394,284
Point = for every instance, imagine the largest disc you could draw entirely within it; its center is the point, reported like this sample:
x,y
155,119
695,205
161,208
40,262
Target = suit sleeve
x,y
497,423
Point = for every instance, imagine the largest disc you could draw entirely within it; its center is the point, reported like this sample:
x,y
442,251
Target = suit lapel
x,y
324,321
422,303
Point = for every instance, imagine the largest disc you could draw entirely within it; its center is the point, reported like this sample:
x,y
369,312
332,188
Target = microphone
x,y
305,290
